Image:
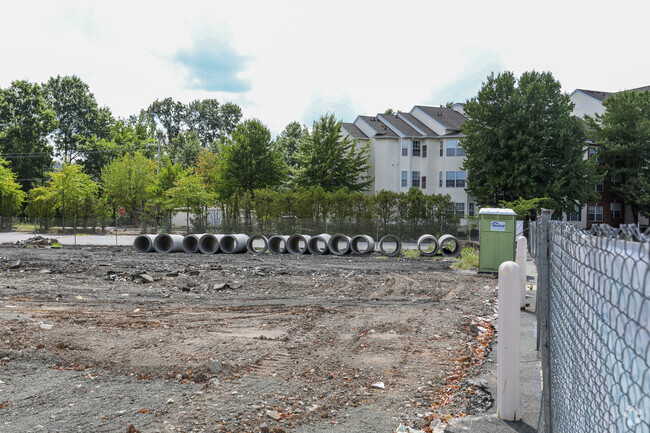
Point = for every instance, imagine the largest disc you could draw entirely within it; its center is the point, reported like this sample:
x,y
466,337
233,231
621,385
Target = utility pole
x,y
153,122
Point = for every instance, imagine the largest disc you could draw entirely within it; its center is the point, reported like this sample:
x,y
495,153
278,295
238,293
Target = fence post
x,y
522,246
543,319
508,343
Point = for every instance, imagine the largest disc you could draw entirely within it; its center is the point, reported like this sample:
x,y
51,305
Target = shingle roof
x,y
400,125
595,94
379,126
449,118
421,126
352,129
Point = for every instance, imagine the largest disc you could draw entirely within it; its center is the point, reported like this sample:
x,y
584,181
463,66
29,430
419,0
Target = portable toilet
x,y
497,238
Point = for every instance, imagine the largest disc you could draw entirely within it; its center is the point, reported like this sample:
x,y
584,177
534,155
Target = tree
x,y
11,196
170,115
189,195
72,191
330,160
184,149
248,161
287,141
127,182
211,121
522,142
623,134
79,118
25,124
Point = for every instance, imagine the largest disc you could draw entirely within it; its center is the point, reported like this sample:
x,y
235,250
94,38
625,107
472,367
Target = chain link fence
x,y
593,315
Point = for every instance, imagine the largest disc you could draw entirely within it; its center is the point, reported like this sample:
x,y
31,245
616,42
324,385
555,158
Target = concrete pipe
x,y
278,244
233,244
166,243
298,244
449,246
385,246
191,243
339,244
209,243
362,244
252,244
144,243
427,245
319,244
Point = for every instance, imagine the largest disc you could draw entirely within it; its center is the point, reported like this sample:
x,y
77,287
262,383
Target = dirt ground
x,y
102,339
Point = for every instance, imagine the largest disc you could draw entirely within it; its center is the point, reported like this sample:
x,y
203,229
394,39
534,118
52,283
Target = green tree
x,y
248,161
188,195
25,123
72,190
522,142
623,134
11,196
127,182
330,160
211,121
287,142
170,115
184,148
385,203
79,118
162,182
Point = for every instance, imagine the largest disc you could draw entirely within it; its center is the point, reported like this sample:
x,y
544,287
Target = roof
x,y
451,119
494,211
421,126
400,125
379,126
352,129
601,96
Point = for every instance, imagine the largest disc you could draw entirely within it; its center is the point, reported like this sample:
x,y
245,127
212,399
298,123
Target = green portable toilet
x,y
497,238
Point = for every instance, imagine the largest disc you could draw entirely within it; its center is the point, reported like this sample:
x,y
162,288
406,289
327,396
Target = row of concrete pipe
x,y
338,244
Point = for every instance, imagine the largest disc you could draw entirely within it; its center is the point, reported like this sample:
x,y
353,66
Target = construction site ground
x,y
103,339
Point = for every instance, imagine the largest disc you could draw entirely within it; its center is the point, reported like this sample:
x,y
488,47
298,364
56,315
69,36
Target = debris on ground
x,y
38,241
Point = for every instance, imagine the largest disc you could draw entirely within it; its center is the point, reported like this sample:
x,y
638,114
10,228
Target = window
x,y
460,209
615,208
405,149
442,148
415,179
404,178
470,210
576,215
440,180
616,179
424,182
416,148
593,150
455,179
599,187
424,151
454,149
595,213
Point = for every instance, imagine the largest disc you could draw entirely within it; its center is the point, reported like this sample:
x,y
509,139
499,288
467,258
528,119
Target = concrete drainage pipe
x,y
319,244
278,244
449,246
144,243
428,245
191,243
339,244
298,244
253,244
390,246
233,244
166,243
209,243
362,244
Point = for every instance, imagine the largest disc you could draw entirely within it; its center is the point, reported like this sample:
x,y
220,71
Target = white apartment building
x,y
417,149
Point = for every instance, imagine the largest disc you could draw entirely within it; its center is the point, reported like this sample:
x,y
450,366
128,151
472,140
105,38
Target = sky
x,y
283,61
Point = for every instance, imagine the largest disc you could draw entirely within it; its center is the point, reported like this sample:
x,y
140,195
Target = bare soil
x,y
102,339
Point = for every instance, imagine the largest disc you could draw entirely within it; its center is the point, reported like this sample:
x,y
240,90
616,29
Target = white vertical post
x,y
508,343
522,247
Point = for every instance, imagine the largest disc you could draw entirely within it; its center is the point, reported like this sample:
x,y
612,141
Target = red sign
x,y
121,211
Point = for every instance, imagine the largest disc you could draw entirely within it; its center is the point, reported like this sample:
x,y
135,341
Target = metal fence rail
x,y
594,322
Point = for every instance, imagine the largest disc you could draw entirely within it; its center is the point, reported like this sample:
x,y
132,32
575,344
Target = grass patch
x,y
411,254
56,245
468,259
381,257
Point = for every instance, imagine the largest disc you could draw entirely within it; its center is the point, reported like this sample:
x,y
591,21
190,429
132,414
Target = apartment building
x,y
608,209
420,148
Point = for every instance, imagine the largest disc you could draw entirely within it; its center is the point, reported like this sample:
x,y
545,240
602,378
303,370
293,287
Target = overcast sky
x,y
295,60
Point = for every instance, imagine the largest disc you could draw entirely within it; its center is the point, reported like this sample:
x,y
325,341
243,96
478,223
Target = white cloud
x,y
308,58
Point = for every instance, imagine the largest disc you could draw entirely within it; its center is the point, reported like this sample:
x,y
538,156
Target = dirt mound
x,y
39,242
